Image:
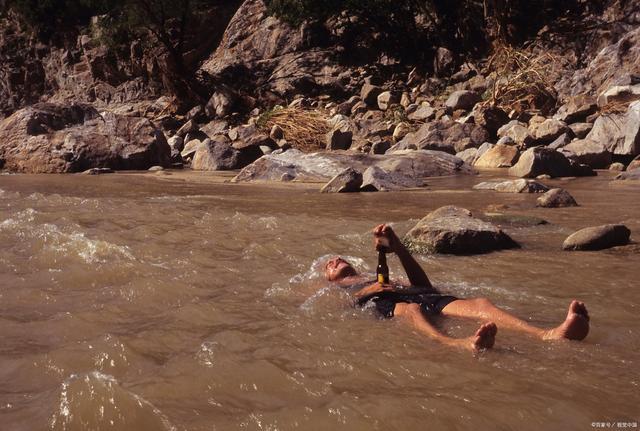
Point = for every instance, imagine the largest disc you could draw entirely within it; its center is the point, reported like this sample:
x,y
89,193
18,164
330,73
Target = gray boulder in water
x,y
347,181
538,161
453,230
556,198
598,237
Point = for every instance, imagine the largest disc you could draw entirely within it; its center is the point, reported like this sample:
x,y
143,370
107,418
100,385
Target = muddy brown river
x,y
177,302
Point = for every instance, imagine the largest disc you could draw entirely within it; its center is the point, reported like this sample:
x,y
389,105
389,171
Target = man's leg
x,y
484,337
575,326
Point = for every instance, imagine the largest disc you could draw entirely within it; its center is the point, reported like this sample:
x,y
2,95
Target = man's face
x,y
337,268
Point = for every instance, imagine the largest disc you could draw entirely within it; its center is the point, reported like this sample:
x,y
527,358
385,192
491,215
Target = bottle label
x,y
381,278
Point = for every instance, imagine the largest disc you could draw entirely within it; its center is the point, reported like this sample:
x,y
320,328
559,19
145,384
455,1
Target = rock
x,y
454,230
556,198
598,237
176,143
188,127
632,175
619,133
619,167
56,138
250,136
516,220
369,94
220,104
377,178
155,169
539,160
560,142
548,131
462,99
424,113
470,155
506,140
588,152
217,155
518,132
580,130
339,139
388,98
324,166
576,108
490,117
380,147
619,94
635,164
499,156
445,135
98,171
214,128
347,181
443,62
513,186
401,130
359,108
276,133
190,149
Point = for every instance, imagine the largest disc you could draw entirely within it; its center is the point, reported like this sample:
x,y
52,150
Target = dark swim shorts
x,y
430,303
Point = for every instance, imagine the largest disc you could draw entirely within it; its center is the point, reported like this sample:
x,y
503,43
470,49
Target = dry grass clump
x,y
304,129
522,81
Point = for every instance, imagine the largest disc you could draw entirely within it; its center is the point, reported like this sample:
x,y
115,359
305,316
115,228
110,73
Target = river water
x,y
178,302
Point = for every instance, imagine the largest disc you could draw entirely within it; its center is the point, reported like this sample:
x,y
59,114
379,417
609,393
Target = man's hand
x,y
385,237
373,289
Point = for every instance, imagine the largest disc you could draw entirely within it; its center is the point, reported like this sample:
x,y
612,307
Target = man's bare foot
x,y
484,338
575,326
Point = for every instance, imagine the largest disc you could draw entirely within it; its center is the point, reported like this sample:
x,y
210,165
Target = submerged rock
x,y
556,198
598,237
377,178
632,175
513,186
453,230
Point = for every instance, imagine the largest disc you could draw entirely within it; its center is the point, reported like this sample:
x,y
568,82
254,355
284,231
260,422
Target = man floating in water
x,y
416,303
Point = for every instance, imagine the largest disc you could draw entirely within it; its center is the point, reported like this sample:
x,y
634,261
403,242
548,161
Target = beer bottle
x,y
382,271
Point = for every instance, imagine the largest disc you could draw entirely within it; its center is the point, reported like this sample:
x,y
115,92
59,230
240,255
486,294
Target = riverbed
x,y
183,302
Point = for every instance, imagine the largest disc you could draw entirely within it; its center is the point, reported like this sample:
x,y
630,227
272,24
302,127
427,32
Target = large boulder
x,y
293,164
576,108
55,138
619,133
217,155
498,156
454,230
540,161
347,181
445,135
388,178
548,131
588,152
598,237
556,198
518,132
632,175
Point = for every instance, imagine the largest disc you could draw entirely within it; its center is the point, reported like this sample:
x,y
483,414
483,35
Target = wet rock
x,y
619,133
518,132
454,230
631,175
598,237
539,160
347,181
388,98
635,164
98,171
581,130
617,166
515,220
499,156
549,130
588,152
324,166
462,99
155,169
577,108
387,177
217,155
445,135
55,138
556,198
513,186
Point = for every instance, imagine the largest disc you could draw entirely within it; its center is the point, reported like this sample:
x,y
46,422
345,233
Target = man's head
x,y
337,268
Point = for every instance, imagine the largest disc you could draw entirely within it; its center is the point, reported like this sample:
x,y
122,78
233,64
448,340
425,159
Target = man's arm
x,y
384,234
